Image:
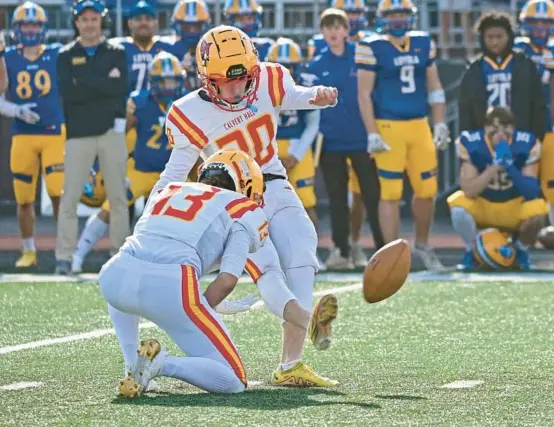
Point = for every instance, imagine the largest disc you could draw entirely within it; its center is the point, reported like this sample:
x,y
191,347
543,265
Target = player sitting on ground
x,y
187,230
499,184
238,107
146,111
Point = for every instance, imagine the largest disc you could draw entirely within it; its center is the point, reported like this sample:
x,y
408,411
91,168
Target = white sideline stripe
x,y
463,384
20,386
146,325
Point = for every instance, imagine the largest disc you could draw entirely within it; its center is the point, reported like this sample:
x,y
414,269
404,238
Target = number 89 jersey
x,y
400,91
36,82
195,221
475,147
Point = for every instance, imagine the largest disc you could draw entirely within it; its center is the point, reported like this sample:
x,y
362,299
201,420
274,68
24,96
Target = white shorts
x,y
169,296
290,230
455,5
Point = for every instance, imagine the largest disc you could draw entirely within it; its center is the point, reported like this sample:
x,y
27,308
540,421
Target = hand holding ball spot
x,y
386,271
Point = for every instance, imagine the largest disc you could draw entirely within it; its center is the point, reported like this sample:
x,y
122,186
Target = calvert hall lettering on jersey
x,y
248,114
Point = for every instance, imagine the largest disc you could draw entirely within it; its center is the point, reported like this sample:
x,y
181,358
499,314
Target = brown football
x,y
386,271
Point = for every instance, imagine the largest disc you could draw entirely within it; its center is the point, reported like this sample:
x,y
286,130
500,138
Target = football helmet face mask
x,y
396,17
287,53
537,21
228,67
493,249
235,9
356,11
167,78
29,24
191,19
236,171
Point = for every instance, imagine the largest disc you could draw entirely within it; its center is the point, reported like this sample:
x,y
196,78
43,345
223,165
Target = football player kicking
x,y
39,129
499,183
146,110
187,229
537,21
238,107
397,79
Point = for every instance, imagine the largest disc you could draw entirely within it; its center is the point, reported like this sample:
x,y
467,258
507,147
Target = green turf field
x,y
393,360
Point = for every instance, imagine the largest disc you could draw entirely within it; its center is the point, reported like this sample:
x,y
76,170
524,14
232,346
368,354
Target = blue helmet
x,y
29,13
81,5
537,21
235,8
167,78
142,8
395,27
191,12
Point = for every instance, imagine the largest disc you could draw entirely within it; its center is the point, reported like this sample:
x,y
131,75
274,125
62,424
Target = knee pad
x,y
391,189
427,188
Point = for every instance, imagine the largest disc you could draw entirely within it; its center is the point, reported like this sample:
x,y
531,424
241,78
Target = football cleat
x,y
523,259
300,375
148,366
26,260
336,261
358,256
428,256
322,319
76,264
468,262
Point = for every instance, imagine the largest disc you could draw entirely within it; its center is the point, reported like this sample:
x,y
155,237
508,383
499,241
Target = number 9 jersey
x,y
36,82
400,91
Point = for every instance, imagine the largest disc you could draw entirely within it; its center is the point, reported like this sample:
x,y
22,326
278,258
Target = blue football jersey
x,y
138,60
291,124
400,91
36,82
263,45
498,81
544,59
185,51
474,146
152,149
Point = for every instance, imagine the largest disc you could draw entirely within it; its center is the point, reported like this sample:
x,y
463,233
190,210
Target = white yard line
x,y
103,332
463,384
20,386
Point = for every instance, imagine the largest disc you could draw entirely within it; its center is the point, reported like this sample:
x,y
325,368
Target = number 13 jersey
x,y
400,91
195,125
36,82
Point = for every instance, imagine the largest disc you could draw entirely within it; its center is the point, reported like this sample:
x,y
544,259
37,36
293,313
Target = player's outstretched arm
x,y
305,98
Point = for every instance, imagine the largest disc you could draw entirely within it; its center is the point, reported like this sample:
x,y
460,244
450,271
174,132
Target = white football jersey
x,y
190,223
195,126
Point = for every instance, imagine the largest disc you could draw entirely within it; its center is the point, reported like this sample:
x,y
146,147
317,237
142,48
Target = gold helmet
x,y
234,170
493,249
225,57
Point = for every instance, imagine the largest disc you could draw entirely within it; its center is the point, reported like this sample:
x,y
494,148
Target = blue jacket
x,y
342,126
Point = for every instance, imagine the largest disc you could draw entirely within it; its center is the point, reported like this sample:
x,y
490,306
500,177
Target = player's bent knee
x,y
274,291
460,200
426,189
537,208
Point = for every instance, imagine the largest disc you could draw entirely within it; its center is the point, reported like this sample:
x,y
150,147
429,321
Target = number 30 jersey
x,y
475,147
400,91
191,223
36,82
195,125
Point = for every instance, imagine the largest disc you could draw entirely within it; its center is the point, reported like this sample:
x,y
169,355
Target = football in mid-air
x,y
386,271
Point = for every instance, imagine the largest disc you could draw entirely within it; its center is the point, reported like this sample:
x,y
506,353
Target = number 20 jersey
x,y
195,122
400,91
36,82
189,223
475,147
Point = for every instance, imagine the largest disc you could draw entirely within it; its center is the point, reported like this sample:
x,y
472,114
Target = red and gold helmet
x,y
226,56
234,170
493,249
